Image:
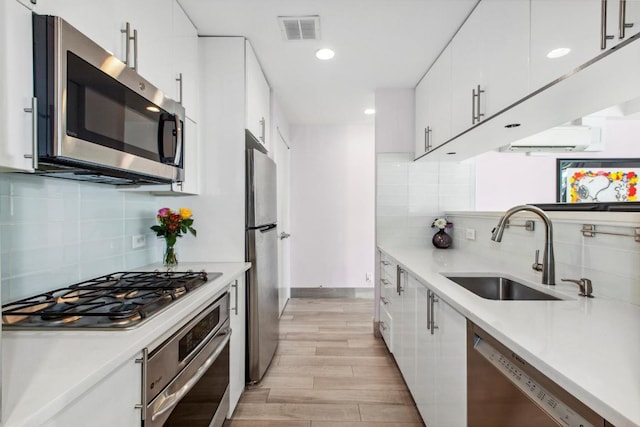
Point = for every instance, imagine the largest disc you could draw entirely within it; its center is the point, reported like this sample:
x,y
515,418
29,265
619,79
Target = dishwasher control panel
x,y
553,406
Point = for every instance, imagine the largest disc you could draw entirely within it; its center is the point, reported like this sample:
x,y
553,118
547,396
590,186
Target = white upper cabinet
x,y
422,118
258,98
489,62
152,53
577,26
16,87
433,106
103,26
185,39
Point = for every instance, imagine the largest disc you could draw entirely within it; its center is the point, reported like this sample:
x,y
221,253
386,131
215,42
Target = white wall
x,y
395,120
332,205
280,143
504,180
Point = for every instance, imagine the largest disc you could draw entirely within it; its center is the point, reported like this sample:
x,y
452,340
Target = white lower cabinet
x,y
451,366
428,340
111,402
440,388
406,356
237,345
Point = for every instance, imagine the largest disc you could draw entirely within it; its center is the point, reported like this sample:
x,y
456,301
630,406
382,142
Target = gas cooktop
x,y
115,301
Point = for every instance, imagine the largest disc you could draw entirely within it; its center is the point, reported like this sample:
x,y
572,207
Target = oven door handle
x,y
171,400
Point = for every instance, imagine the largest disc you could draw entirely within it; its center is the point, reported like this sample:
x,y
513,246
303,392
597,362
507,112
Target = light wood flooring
x,y
329,371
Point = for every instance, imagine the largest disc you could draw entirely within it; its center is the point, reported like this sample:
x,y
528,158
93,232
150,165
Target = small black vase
x,y
441,240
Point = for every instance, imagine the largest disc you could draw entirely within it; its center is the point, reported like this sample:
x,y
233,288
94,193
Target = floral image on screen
x,y
601,185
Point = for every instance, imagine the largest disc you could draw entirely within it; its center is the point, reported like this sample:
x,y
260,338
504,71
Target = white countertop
x,y
44,371
589,346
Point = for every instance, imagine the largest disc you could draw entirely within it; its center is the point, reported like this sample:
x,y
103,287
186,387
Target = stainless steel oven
x,y
186,379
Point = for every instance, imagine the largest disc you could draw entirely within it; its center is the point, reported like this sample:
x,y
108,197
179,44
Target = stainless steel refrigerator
x,y
262,252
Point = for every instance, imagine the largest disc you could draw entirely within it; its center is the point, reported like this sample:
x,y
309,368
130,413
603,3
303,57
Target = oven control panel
x,y
553,406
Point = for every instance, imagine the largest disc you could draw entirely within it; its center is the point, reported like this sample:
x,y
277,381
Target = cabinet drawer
x,y
386,323
388,270
387,289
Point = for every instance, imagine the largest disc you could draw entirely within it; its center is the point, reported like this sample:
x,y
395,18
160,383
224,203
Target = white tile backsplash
x,y
411,194
55,232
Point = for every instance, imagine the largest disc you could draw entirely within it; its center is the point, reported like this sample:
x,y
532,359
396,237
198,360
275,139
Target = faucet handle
x,y
584,284
537,266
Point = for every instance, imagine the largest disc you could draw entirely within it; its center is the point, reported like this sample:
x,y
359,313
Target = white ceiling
x,y
378,44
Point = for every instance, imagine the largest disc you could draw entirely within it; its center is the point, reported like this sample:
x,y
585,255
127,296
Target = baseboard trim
x,y
366,293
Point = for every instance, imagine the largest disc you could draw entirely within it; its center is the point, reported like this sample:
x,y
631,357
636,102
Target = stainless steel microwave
x,y
97,119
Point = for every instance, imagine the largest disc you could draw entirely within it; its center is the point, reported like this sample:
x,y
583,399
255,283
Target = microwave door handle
x,y
161,136
178,156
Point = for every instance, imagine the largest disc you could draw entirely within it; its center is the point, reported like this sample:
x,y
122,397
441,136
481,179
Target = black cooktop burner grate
x,y
117,300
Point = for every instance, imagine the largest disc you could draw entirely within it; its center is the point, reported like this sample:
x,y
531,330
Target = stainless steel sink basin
x,y
500,288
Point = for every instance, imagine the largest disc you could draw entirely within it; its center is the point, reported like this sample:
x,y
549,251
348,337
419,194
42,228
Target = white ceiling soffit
x,y
299,28
378,44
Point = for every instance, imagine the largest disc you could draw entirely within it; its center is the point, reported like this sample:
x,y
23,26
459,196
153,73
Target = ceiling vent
x,y
297,28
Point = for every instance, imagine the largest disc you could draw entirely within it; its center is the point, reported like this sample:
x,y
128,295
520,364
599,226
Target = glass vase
x,y
441,240
170,259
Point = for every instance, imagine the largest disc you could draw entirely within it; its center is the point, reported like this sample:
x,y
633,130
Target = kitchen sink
x,y
500,288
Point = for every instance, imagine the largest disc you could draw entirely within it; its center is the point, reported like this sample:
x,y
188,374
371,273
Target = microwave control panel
x,y
549,403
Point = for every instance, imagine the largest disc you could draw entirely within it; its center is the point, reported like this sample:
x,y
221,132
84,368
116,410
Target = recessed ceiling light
x,y
558,53
325,53
153,109
369,111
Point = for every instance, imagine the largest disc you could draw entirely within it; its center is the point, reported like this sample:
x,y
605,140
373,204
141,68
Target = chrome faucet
x,y
548,261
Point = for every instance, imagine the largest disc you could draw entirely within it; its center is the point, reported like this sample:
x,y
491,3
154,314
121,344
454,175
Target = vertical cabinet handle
x,y
127,46
428,309
433,300
622,24
34,133
427,139
179,80
400,272
135,51
130,38
603,25
426,136
235,286
475,105
262,129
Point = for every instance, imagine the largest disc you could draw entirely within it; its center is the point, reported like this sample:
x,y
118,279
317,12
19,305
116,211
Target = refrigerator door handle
x,y
267,228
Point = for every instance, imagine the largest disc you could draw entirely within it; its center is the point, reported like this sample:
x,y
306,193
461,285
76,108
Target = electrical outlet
x,y
138,241
367,277
471,234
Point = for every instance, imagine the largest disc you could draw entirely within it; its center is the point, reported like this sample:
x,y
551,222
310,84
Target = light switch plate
x,y
471,234
138,241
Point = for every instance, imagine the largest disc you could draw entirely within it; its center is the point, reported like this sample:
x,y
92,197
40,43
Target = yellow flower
x,y
185,213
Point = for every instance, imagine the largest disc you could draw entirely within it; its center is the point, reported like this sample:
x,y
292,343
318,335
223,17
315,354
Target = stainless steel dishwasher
x,y
504,390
